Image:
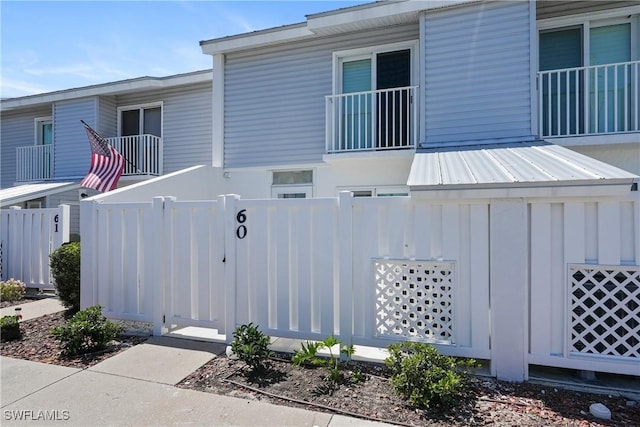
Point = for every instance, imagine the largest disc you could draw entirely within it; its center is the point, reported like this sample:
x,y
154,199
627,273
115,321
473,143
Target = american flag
x,y
106,166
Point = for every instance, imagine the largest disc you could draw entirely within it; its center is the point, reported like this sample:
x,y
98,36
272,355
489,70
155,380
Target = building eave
x,y
356,18
113,88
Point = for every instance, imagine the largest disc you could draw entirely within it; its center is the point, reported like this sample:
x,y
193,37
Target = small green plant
x,y
308,354
65,268
9,328
87,331
12,290
426,378
251,346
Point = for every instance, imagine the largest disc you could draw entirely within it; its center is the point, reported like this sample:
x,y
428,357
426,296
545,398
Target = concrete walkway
x,y
136,388
34,309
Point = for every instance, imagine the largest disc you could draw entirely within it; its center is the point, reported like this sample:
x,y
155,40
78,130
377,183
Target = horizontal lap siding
x,y
72,152
17,131
186,115
478,78
275,97
107,116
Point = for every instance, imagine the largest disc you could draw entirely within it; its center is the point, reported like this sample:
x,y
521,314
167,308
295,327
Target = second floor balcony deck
x,y
594,100
143,154
385,119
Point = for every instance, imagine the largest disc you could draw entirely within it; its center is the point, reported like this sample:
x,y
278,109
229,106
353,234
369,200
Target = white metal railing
x,y
383,119
34,163
593,100
142,152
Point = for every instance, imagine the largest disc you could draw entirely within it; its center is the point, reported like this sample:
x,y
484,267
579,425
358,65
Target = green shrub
x,y
308,354
251,346
426,378
9,328
87,331
12,290
65,268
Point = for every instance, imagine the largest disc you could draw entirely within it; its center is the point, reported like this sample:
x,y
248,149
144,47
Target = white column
x,y
508,289
218,111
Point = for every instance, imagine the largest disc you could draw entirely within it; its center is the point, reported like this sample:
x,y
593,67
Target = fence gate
x,y
27,237
192,263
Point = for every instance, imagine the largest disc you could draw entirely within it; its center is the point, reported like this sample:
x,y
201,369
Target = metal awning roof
x,y
21,193
532,163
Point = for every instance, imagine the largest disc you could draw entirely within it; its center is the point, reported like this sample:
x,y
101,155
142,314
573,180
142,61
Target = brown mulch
x,y
486,402
38,345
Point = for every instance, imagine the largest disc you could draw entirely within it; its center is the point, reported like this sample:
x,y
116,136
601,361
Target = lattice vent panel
x,y
414,300
605,310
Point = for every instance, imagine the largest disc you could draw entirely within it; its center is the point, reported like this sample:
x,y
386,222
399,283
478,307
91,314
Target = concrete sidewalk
x,y
137,388
36,308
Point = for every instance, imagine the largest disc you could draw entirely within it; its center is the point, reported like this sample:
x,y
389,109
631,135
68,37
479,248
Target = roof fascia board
x,y
377,11
256,39
318,21
114,88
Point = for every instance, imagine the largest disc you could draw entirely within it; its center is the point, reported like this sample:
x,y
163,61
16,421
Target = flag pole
x,y
127,160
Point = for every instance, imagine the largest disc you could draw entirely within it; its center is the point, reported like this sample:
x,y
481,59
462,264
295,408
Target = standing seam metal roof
x,y
509,163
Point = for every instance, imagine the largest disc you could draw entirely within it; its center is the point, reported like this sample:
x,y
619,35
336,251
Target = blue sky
x,y
53,45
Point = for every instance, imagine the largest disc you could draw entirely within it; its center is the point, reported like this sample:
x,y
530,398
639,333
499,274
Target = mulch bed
x,y
38,345
486,402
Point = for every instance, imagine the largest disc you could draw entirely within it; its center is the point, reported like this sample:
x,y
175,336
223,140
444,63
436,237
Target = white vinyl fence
x,y
27,237
377,270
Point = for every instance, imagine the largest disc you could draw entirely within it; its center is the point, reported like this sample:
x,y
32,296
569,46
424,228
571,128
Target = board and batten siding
x,y
186,123
72,151
17,130
275,97
478,72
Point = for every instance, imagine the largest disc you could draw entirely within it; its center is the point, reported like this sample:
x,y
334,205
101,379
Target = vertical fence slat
x,y
608,233
540,235
305,248
479,281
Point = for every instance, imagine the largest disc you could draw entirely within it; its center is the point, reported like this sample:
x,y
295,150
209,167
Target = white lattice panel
x,y
414,300
605,310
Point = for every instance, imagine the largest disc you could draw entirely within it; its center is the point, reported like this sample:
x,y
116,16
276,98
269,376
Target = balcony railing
x,y
34,163
594,100
143,153
374,120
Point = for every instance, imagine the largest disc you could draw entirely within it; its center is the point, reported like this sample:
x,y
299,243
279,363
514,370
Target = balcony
x,y
383,119
143,154
595,100
34,163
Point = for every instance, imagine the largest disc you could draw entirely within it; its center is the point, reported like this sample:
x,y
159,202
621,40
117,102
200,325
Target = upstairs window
x,y
141,120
